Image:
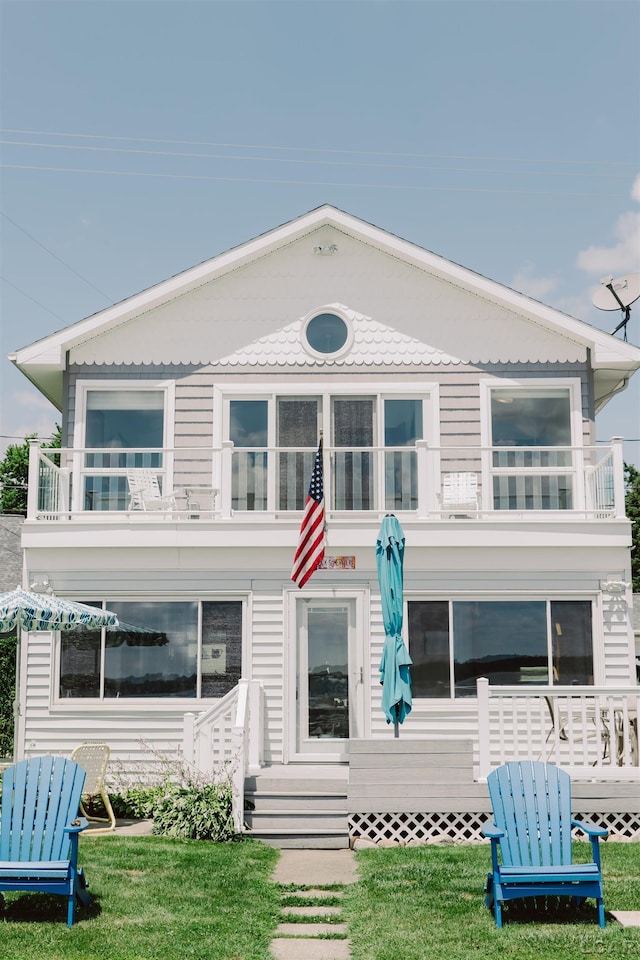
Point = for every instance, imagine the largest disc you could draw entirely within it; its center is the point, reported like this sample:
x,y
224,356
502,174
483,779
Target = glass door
x,y
327,679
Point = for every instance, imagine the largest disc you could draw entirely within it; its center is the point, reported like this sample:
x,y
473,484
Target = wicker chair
x,y
93,758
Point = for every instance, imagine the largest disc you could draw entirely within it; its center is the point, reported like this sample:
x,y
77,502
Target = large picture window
x,y
160,649
510,642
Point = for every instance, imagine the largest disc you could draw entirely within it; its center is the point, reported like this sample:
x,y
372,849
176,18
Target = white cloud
x,y
624,255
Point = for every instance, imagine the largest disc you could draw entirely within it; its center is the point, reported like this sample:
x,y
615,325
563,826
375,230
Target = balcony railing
x,y
428,482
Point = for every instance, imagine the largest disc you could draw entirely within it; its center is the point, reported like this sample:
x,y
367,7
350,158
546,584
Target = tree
x,y
7,691
14,473
632,509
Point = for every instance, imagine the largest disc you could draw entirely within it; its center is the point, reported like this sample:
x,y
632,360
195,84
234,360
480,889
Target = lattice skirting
x,y
463,827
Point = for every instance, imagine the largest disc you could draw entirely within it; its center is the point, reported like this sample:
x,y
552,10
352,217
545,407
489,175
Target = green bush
x,y
132,803
182,802
196,813
8,645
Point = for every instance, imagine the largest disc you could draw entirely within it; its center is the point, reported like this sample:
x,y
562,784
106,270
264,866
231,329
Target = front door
x,y
328,679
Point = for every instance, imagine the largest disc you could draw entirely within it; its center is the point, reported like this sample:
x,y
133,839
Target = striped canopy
x,y
39,611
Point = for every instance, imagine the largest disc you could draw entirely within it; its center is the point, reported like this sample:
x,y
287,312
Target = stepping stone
x,y
627,918
317,894
318,911
287,949
309,930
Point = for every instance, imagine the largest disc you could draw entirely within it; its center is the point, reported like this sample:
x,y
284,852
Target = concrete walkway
x,y
311,871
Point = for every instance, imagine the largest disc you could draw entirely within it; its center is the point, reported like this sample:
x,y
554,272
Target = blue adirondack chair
x,y
39,829
531,804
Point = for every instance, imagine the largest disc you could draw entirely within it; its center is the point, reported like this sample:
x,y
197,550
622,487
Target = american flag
x,y
310,550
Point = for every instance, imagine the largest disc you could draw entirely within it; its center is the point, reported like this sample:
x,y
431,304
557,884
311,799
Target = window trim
x,y
572,384
58,704
83,387
335,311
326,391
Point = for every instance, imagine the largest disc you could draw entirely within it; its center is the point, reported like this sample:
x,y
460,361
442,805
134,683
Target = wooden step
x,y
298,807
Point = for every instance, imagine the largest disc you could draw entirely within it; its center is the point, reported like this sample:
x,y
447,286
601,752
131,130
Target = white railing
x,y
590,731
92,483
226,741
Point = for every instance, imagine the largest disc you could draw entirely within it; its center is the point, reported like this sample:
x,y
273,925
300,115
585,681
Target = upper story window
x,y
120,426
370,450
531,418
532,430
124,418
327,334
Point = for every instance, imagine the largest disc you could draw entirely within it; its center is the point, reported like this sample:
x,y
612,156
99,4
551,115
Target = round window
x,y
326,333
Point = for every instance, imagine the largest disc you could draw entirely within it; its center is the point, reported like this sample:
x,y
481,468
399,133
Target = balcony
x,y
421,481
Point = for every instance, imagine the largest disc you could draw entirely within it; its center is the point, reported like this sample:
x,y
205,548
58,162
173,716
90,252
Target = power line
x,y
334,150
306,183
294,160
56,257
33,300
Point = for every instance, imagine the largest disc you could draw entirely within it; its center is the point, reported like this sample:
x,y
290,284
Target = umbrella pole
x,y
396,724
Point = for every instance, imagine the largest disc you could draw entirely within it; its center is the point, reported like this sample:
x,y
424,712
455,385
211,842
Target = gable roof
x,y
44,361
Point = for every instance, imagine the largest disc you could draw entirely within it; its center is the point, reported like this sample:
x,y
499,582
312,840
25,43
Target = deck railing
x,y
226,481
591,731
226,740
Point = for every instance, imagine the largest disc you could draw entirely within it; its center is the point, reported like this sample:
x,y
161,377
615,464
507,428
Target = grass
x,y
153,899
426,902
161,899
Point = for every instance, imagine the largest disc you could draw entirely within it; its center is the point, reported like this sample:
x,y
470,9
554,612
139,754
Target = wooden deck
x,y
425,790
404,790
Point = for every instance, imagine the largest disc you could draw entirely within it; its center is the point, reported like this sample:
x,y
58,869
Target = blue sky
x,y
140,138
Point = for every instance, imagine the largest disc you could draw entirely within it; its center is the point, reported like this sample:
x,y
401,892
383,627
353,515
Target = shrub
x,y
181,801
196,813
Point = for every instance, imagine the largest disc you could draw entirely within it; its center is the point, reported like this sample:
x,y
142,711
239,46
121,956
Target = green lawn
x,y
426,904
160,899
153,899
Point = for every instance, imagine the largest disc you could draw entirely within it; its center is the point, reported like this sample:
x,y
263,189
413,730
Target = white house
x,y
463,407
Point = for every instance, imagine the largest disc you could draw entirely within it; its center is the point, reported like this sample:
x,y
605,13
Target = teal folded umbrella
x,y
395,675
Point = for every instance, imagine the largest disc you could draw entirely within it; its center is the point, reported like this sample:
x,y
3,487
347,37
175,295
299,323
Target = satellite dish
x,y
618,294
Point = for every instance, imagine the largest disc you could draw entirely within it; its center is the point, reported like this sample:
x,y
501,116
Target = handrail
x,y
574,480
227,739
583,728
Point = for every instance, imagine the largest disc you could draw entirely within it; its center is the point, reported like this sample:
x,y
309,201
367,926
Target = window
x,y
402,428
370,457
160,649
126,428
297,427
531,436
326,333
353,466
248,428
508,641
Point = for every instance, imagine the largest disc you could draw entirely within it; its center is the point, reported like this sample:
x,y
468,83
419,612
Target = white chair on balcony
x,y
144,492
459,494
